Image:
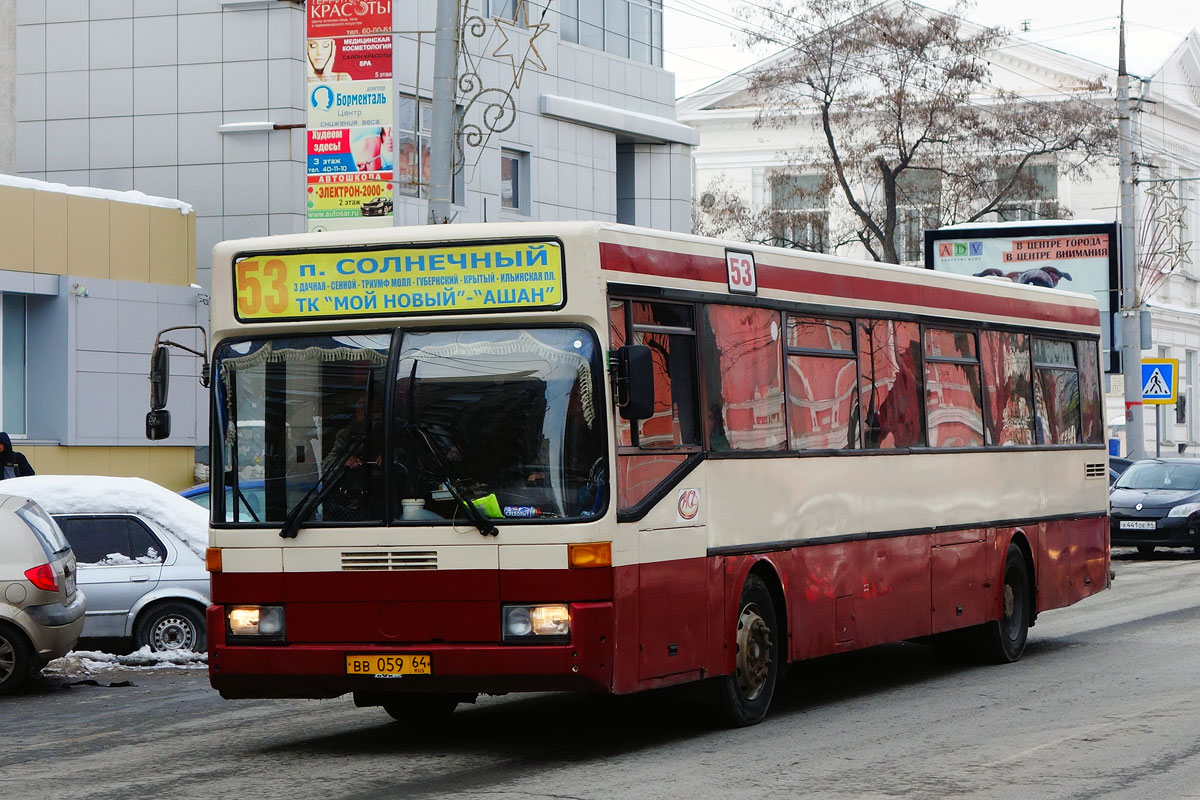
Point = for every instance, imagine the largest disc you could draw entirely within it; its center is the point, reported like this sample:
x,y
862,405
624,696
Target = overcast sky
x,y
702,42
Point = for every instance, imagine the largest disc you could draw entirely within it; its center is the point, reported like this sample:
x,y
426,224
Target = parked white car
x,y
140,554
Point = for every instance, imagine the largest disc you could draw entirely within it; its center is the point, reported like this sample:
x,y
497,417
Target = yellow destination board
x,y
500,276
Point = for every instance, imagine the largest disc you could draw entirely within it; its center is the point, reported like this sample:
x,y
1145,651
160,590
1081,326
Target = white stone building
x,y
751,159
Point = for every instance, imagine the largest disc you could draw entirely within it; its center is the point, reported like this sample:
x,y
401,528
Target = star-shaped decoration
x,y
509,48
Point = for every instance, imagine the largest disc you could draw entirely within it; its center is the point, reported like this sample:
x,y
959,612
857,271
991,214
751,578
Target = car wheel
x,y
1145,549
745,694
171,626
15,660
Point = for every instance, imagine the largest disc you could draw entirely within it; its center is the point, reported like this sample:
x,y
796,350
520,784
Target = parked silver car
x,y
41,610
140,551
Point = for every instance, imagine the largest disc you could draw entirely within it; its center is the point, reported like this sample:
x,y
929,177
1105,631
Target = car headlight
x,y
1184,510
261,623
546,623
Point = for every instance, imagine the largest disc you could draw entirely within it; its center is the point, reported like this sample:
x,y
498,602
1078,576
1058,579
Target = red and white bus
x,y
583,456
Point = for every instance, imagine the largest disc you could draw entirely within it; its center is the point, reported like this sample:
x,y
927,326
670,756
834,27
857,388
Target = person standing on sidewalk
x,y
12,463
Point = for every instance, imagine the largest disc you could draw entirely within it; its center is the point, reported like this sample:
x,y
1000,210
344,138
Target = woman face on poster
x,y
320,55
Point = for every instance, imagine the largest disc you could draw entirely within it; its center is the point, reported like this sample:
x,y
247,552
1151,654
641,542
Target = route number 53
x,y
743,279
261,286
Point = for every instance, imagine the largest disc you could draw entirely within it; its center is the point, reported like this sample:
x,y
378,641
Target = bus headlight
x,y
262,623
548,623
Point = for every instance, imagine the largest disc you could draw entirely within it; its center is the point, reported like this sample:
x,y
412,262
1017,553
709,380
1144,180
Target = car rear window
x,y
44,530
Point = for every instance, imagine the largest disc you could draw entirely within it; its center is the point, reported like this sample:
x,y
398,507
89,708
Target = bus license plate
x,y
385,666
1138,524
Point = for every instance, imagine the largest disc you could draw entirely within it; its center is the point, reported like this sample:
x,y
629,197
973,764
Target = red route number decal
x,y
743,279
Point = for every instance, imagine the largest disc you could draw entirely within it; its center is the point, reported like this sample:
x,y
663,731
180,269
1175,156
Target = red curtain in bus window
x,y
1089,393
1008,387
889,357
953,404
1056,392
743,380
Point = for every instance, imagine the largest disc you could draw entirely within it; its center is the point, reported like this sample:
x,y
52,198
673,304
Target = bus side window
x,y
1089,392
1056,392
889,360
646,456
743,380
667,329
1008,385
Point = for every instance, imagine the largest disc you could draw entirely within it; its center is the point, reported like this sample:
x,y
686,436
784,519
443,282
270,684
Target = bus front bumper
x,y
298,670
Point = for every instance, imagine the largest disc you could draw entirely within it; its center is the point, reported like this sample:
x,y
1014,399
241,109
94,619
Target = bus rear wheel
x,y
745,694
1003,641
429,708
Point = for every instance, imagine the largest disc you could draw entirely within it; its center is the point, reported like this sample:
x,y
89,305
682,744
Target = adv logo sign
x,y
687,504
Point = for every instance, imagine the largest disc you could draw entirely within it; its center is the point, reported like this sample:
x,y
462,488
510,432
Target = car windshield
x,y
510,420
1160,475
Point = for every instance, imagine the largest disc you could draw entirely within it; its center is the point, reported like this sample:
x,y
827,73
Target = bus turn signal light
x,y
212,559
589,554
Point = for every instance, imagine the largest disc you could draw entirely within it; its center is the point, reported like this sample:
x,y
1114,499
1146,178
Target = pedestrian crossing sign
x,y
1159,377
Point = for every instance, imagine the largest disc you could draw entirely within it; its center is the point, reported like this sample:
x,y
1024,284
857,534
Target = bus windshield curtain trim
x,y
267,353
521,345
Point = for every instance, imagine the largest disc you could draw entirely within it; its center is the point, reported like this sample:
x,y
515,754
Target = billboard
x,y
349,100
1076,256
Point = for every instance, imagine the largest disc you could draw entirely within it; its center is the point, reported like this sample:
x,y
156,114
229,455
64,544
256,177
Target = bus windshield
x,y
510,420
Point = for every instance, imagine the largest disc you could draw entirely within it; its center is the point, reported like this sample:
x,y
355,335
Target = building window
x,y
412,149
1034,194
799,212
918,199
12,373
503,9
514,181
628,28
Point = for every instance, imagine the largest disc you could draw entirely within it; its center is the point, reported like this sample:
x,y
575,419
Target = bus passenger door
x,y
672,583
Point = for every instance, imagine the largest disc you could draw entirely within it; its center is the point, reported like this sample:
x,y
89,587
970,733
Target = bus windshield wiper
x,y
304,509
452,483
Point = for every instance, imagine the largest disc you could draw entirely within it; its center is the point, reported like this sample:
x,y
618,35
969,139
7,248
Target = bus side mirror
x,y
160,375
158,425
635,381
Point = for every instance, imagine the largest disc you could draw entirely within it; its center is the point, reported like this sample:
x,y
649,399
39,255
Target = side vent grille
x,y
375,560
1094,471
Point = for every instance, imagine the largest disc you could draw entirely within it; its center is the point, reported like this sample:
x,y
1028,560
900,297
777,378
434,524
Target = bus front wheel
x,y
745,694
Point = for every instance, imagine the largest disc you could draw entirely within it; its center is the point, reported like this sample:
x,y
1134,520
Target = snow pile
x,y
137,198
99,494
81,663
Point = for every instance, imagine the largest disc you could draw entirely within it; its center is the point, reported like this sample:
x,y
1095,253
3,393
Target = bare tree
x,y
911,132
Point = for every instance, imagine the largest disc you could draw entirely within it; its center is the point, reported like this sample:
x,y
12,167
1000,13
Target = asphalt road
x,y
1105,704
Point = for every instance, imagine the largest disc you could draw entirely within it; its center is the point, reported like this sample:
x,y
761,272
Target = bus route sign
x,y
493,276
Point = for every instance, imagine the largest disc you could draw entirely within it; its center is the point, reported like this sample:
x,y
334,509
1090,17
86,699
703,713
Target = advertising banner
x,y
335,18
359,149
1076,256
349,91
336,105
506,276
349,196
